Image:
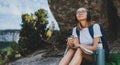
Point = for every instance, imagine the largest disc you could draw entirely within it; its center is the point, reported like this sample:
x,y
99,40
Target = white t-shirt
x,y
85,37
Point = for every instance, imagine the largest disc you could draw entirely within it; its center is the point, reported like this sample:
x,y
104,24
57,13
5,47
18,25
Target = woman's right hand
x,y
70,42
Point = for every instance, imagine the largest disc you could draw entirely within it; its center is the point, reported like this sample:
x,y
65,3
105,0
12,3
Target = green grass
x,y
114,59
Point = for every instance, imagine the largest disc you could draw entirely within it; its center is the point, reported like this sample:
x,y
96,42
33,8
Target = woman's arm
x,y
95,44
94,47
97,37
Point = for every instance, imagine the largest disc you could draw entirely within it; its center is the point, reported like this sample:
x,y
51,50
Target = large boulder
x,y
105,12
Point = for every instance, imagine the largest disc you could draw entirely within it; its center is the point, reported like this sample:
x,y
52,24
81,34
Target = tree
x,y
33,31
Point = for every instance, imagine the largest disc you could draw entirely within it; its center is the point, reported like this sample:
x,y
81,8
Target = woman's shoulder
x,y
75,27
96,26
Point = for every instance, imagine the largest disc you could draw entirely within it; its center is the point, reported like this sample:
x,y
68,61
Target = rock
x,y
37,60
106,12
115,46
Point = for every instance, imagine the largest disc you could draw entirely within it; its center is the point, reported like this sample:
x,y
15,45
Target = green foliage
x,y
10,53
50,31
33,31
114,59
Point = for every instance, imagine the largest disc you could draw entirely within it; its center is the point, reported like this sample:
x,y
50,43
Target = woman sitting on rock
x,y
75,53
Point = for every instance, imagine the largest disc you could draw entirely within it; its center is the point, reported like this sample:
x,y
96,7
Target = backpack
x,y
103,38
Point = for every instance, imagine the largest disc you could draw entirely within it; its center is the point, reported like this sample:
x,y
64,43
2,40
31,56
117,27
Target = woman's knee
x,y
71,51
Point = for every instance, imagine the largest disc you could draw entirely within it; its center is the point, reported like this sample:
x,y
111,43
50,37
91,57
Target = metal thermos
x,y
100,54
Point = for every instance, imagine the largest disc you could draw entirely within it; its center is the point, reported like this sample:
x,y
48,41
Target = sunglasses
x,y
81,11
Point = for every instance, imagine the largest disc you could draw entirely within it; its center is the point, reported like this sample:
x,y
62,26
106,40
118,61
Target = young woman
x,y
76,56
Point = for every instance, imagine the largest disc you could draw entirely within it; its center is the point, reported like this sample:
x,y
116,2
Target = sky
x,y
11,11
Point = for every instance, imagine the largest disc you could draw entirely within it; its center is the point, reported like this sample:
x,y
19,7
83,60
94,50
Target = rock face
x,y
106,12
9,35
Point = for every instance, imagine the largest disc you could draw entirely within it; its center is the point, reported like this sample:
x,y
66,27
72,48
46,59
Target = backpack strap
x,y
91,31
77,31
104,42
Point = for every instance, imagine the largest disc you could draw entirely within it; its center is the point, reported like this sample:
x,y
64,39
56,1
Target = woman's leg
x,y
77,59
67,57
